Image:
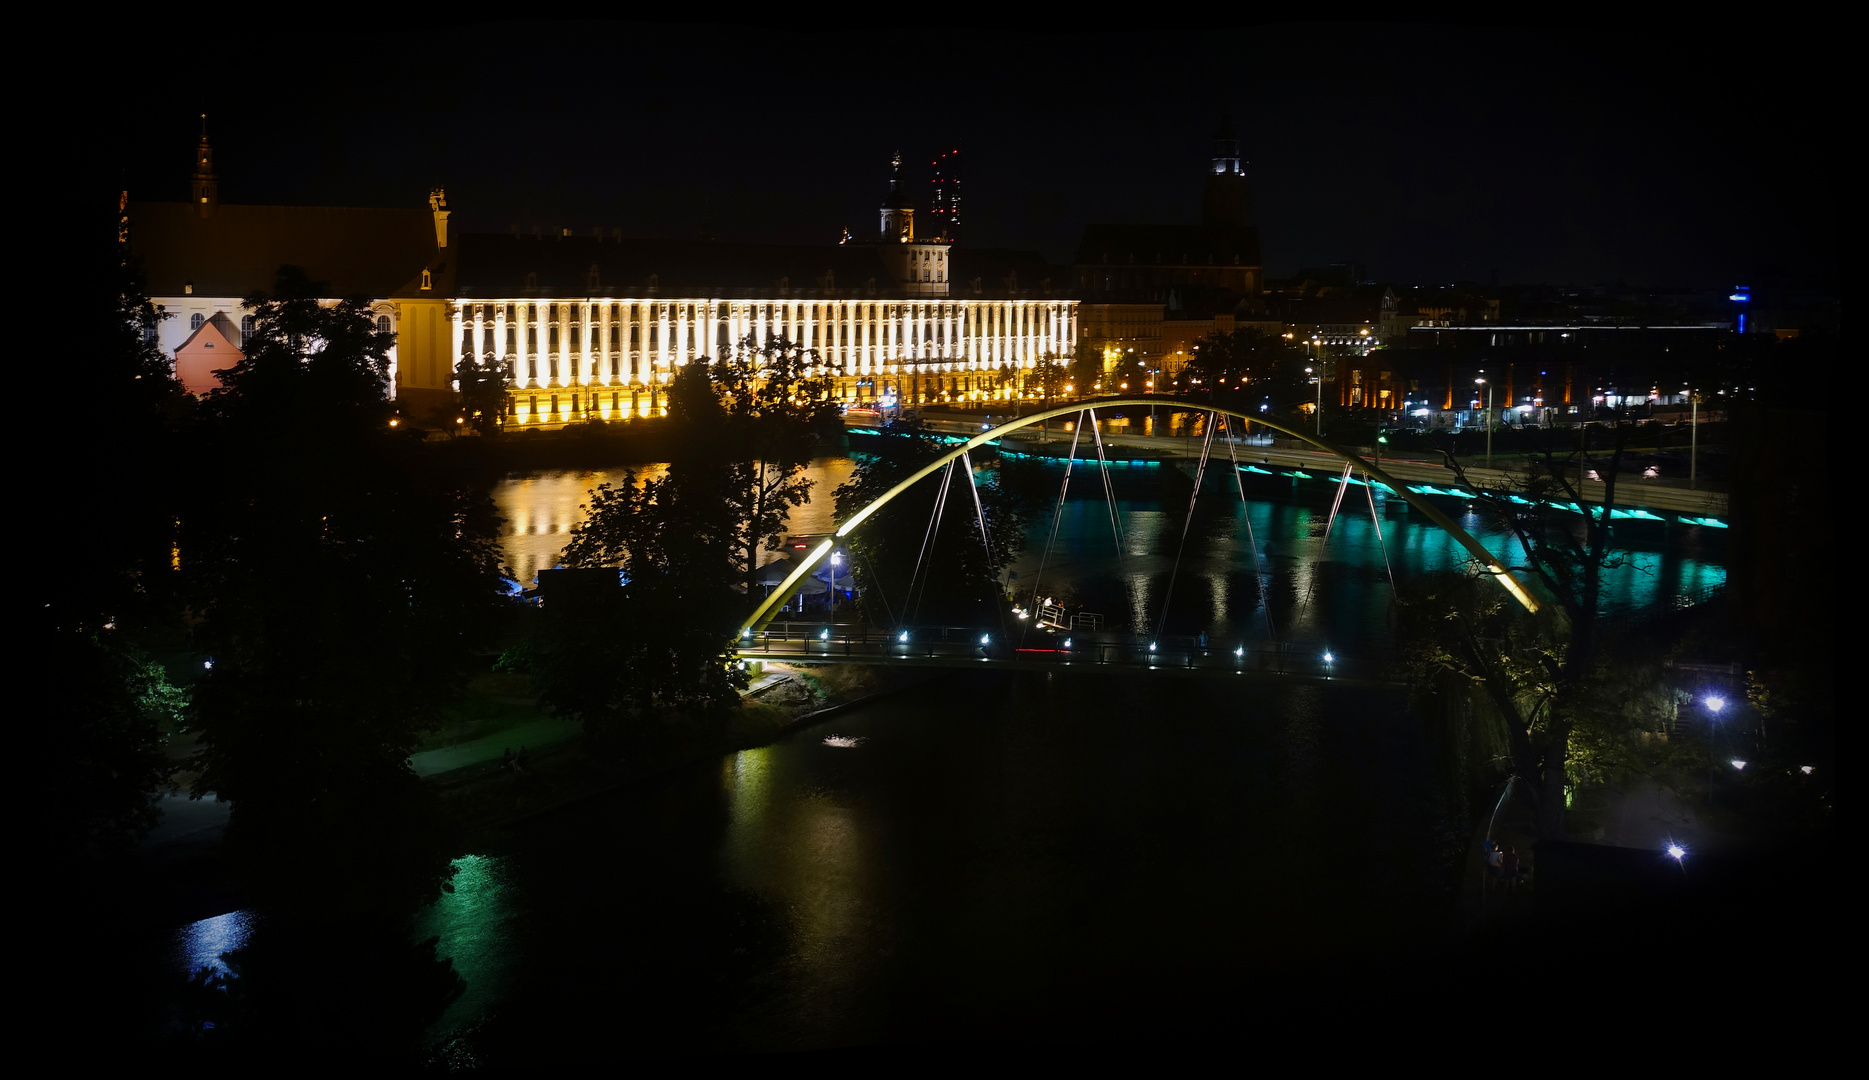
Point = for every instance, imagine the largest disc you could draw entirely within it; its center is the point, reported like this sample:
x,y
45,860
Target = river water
x,y
1024,856
1276,565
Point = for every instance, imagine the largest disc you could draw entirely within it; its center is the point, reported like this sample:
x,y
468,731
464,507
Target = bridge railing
x,y
853,641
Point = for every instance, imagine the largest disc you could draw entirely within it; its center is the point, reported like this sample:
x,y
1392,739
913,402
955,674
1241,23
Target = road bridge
x,y
1631,493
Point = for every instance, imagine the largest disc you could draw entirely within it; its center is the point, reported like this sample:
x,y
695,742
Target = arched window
x,y
246,328
382,324
195,321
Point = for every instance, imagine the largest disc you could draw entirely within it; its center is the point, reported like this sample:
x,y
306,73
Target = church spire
x,y
206,188
898,209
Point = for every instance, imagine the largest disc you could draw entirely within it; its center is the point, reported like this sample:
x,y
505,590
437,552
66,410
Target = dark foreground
x,y
1001,862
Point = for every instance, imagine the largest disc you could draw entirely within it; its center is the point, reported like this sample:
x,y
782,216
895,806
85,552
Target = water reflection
x,y
202,944
542,508
475,925
1309,587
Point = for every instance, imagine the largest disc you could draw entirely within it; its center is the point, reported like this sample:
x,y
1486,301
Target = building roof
x,y
493,266
357,251
1004,274
1168,245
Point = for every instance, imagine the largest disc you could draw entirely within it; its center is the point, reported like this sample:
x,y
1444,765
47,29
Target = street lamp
x,y
1693,441
830,587
1489,419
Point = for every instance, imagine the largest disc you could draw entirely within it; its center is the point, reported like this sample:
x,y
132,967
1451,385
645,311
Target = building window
x,y
382,324
246,329
195,321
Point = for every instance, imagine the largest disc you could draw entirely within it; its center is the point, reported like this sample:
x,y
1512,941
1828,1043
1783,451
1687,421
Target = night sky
x,y
1428,153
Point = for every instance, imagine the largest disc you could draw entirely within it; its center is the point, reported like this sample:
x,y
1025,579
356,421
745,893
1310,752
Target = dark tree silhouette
x,y
339,585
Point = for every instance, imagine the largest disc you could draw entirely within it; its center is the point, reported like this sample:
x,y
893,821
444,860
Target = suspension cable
x,y
878,581
1335,503
1265,600
934,526
1311,588
1200,470
1057,516
1109,492
986,540
1369,490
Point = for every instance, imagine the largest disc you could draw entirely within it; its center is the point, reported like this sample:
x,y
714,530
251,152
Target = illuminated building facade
x,y
594,326
202,258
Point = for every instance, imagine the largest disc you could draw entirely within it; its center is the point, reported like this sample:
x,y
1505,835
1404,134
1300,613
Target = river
x,y
992,855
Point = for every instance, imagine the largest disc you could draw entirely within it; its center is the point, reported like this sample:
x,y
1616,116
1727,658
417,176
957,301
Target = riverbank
x,y
176,876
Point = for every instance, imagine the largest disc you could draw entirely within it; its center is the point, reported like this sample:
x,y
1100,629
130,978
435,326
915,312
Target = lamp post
x,y
830,587
1489,420
1693,441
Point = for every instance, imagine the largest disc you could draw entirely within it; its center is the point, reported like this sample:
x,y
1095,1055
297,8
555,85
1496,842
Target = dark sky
x,y
1655,155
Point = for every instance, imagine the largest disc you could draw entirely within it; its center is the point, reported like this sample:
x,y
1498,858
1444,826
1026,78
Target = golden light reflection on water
x,y
810,853
542,508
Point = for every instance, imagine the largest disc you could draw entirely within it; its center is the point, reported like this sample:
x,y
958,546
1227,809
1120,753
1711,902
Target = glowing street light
x,y
1489,420
1677,852
1738,764
1715,704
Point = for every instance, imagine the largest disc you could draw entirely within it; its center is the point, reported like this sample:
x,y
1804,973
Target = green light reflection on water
x,y
474,925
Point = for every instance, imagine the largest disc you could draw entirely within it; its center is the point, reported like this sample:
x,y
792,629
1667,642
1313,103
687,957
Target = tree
x,y
1540,675
1086,368
481,396
98,741
103,762
340,584
755,415
657,640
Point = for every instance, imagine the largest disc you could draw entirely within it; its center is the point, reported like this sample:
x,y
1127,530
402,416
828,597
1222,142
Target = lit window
x,y
195,321
382,324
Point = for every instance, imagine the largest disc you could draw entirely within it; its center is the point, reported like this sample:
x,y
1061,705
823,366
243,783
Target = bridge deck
x,y
955,647
1630,492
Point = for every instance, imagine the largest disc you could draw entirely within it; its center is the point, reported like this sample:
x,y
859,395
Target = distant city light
x,y
1716,703
1677,852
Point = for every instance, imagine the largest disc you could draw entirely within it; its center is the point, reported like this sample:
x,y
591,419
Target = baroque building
x,y
594,326
202,258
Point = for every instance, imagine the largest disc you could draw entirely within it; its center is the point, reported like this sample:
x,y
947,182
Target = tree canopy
x,y
339,586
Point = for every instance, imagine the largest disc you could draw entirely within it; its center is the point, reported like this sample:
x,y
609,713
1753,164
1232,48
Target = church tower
x,y
1228,201
920,267
207,194
898,209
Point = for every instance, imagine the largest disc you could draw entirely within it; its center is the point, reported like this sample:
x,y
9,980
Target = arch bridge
x,y
764,614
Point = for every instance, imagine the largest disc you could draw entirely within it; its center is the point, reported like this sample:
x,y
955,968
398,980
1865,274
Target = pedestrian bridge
x,y
757,623
972,647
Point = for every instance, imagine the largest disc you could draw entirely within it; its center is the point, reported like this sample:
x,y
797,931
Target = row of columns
x,y
642,342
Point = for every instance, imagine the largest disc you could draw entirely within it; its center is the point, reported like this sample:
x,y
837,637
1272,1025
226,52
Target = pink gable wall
x,y
201,356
